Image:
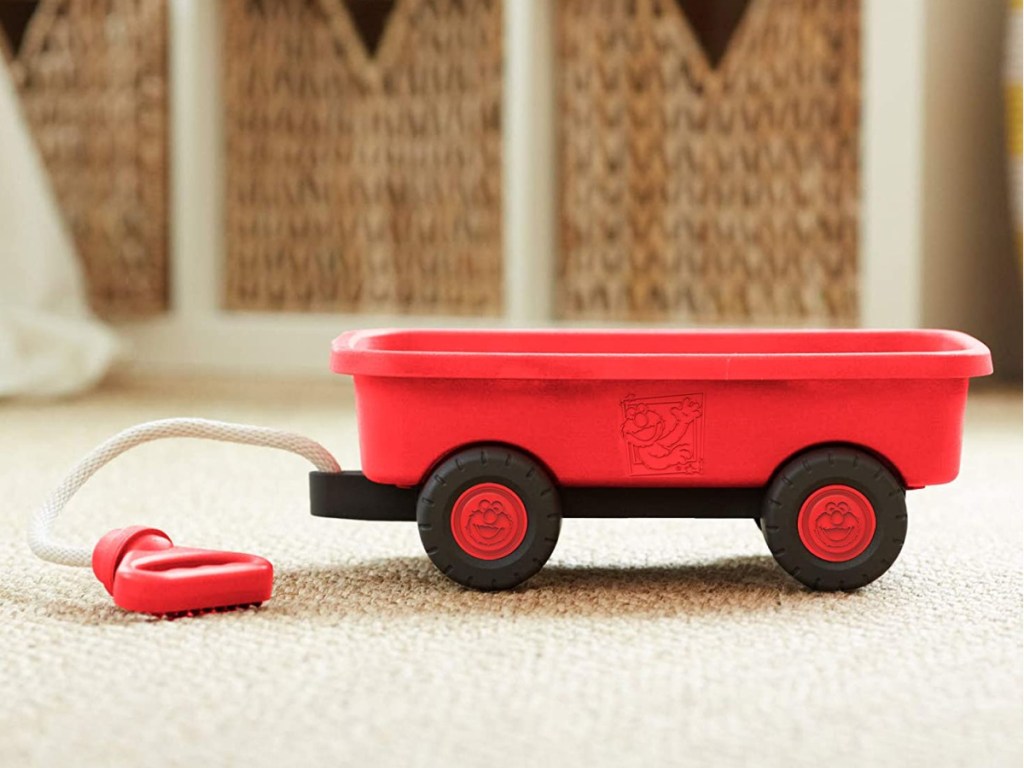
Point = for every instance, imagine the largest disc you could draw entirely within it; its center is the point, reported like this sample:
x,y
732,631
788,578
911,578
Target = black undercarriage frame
x,y
351,495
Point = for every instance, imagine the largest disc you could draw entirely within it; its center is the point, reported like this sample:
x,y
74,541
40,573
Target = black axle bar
x,y
352,496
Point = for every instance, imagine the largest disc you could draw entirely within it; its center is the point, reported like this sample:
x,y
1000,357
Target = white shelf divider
x,y
892,137
529,126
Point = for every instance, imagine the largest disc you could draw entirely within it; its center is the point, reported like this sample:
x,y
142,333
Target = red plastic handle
x,y
143,571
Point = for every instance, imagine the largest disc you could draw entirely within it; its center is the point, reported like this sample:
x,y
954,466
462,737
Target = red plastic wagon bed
x,y
489,438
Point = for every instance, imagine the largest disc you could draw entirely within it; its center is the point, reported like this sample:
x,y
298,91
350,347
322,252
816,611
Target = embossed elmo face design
x,y
836,523
489,521
643,425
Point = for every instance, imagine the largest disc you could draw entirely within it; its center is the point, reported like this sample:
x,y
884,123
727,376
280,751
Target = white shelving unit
x,y
198,335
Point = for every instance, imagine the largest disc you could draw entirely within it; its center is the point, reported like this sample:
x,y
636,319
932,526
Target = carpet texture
x,y
641,643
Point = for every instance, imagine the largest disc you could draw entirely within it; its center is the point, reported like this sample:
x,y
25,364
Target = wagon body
x,y
660,408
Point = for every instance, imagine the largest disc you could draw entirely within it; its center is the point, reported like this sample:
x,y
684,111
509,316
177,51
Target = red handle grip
x,y
143,571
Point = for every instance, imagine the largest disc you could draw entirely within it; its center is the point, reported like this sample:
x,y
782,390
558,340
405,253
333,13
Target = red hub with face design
x,y
836,523
489,521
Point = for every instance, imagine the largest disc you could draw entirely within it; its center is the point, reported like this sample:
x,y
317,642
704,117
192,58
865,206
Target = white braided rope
x,y
40,535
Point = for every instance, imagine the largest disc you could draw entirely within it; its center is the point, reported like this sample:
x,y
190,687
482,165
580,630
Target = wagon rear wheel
x,y
835,518
489,517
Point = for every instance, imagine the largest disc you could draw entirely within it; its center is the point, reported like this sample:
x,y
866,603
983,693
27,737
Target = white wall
x,y
970,275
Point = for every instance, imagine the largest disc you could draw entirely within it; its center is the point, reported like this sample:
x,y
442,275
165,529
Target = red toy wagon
x,y
487,439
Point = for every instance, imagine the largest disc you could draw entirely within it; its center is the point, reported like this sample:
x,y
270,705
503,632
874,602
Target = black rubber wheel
x,y
489,517
835,518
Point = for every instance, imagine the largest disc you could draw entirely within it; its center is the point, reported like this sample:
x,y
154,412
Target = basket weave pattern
x,y
697,194
92,78
359,182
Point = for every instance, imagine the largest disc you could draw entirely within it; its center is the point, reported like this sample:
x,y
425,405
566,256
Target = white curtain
x,y
49,342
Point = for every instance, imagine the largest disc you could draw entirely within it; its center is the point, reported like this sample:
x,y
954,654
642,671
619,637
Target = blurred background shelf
x,y
337,164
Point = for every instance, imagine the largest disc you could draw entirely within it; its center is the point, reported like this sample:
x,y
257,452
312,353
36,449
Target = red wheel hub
x,y
489,521
836,523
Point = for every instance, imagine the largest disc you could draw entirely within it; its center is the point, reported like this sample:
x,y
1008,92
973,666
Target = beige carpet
x,y
641,643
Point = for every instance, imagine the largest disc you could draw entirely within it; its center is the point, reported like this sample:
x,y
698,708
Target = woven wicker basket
x,y
692,193
92,77
358,181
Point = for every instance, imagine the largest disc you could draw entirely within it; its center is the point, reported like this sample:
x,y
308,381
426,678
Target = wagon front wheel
x,y
835,518
489,517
